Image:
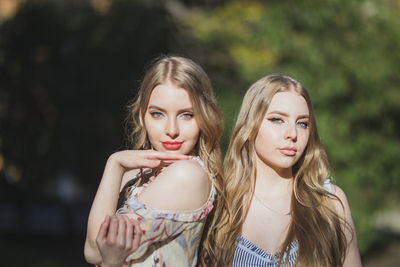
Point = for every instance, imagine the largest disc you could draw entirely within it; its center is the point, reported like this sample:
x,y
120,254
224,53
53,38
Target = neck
x,y
272,181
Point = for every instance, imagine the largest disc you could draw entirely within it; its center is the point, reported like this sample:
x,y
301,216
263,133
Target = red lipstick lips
x,y
172,145
288,151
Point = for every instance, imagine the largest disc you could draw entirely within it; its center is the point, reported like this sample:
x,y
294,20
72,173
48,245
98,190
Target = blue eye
x,y
303,124
187,115
156,114
275,120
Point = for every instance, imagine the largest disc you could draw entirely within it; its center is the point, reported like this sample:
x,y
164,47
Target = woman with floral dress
x,y
176,126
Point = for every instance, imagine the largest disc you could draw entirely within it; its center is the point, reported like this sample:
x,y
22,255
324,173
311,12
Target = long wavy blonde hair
x,y
186,74
314,220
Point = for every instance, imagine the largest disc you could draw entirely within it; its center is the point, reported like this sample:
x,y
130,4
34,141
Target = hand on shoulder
x,y
184,185
135,159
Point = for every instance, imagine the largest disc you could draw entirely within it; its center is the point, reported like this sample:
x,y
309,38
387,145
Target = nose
x,y
291,132
172,128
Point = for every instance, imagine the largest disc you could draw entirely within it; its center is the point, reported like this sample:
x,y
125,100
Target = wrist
x,y
113,163
105,264
111,263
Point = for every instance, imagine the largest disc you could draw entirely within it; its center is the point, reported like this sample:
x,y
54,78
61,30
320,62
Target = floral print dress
x,y
169,238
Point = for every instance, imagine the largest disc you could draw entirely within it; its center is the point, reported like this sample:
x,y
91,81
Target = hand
x,y
135,159
118,237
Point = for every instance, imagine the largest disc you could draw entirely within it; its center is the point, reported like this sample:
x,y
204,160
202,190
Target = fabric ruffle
x,y
188,216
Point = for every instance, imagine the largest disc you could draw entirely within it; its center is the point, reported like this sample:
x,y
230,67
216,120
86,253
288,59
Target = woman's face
x,y
169,120
284,132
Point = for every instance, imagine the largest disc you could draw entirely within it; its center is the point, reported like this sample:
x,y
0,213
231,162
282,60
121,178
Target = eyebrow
x,y
190,109
303,116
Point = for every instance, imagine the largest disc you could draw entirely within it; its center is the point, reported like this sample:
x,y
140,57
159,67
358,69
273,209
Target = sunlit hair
x,y
186,74
315,223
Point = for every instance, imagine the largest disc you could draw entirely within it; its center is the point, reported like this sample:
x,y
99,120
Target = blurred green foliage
x,y
347,53
67,71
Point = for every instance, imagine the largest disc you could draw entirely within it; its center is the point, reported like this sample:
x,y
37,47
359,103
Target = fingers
x,y
113,230
151,163
121,235
128,233
116,239
164,159
165,156
133,234
166,163
137,235
153,159
133,159
102,235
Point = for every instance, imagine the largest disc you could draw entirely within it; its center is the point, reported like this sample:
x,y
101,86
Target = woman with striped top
x,y
282,210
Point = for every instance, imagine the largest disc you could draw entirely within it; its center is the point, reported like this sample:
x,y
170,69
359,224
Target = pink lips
x,y
288,151
172,145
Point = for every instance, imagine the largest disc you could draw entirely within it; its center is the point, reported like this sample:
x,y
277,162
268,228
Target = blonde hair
x,y
186,74
315,224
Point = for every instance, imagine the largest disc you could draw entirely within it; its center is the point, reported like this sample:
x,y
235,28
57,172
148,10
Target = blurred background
x,y
69,67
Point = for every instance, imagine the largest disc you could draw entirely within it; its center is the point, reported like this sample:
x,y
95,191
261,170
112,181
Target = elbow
x,y
91,253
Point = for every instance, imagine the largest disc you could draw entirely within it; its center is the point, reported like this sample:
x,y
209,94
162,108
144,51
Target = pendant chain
x,y
271,209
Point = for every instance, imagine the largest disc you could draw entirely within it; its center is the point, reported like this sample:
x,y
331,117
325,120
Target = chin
x,y
285,166
179,151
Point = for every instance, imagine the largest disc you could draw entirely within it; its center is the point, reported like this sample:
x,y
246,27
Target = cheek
x,y
262,142
258,144
267,135
153,129
304,141
191,130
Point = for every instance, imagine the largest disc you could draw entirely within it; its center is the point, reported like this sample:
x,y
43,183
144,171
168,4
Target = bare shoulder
x,y
337,191
184,185
186,171
342,207
352,258
187,175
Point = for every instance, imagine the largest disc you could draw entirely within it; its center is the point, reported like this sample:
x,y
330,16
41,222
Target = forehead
x,y
288,102
168,94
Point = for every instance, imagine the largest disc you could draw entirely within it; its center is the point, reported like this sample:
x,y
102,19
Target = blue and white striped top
x,y
248,254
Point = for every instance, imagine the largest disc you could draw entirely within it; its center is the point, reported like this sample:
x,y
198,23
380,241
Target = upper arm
x,y
184,185
353,254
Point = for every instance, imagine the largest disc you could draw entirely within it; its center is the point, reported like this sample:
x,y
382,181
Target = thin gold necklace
x,y
271,209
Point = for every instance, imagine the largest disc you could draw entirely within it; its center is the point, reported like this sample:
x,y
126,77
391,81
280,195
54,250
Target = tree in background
x,y
347,54
67,70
